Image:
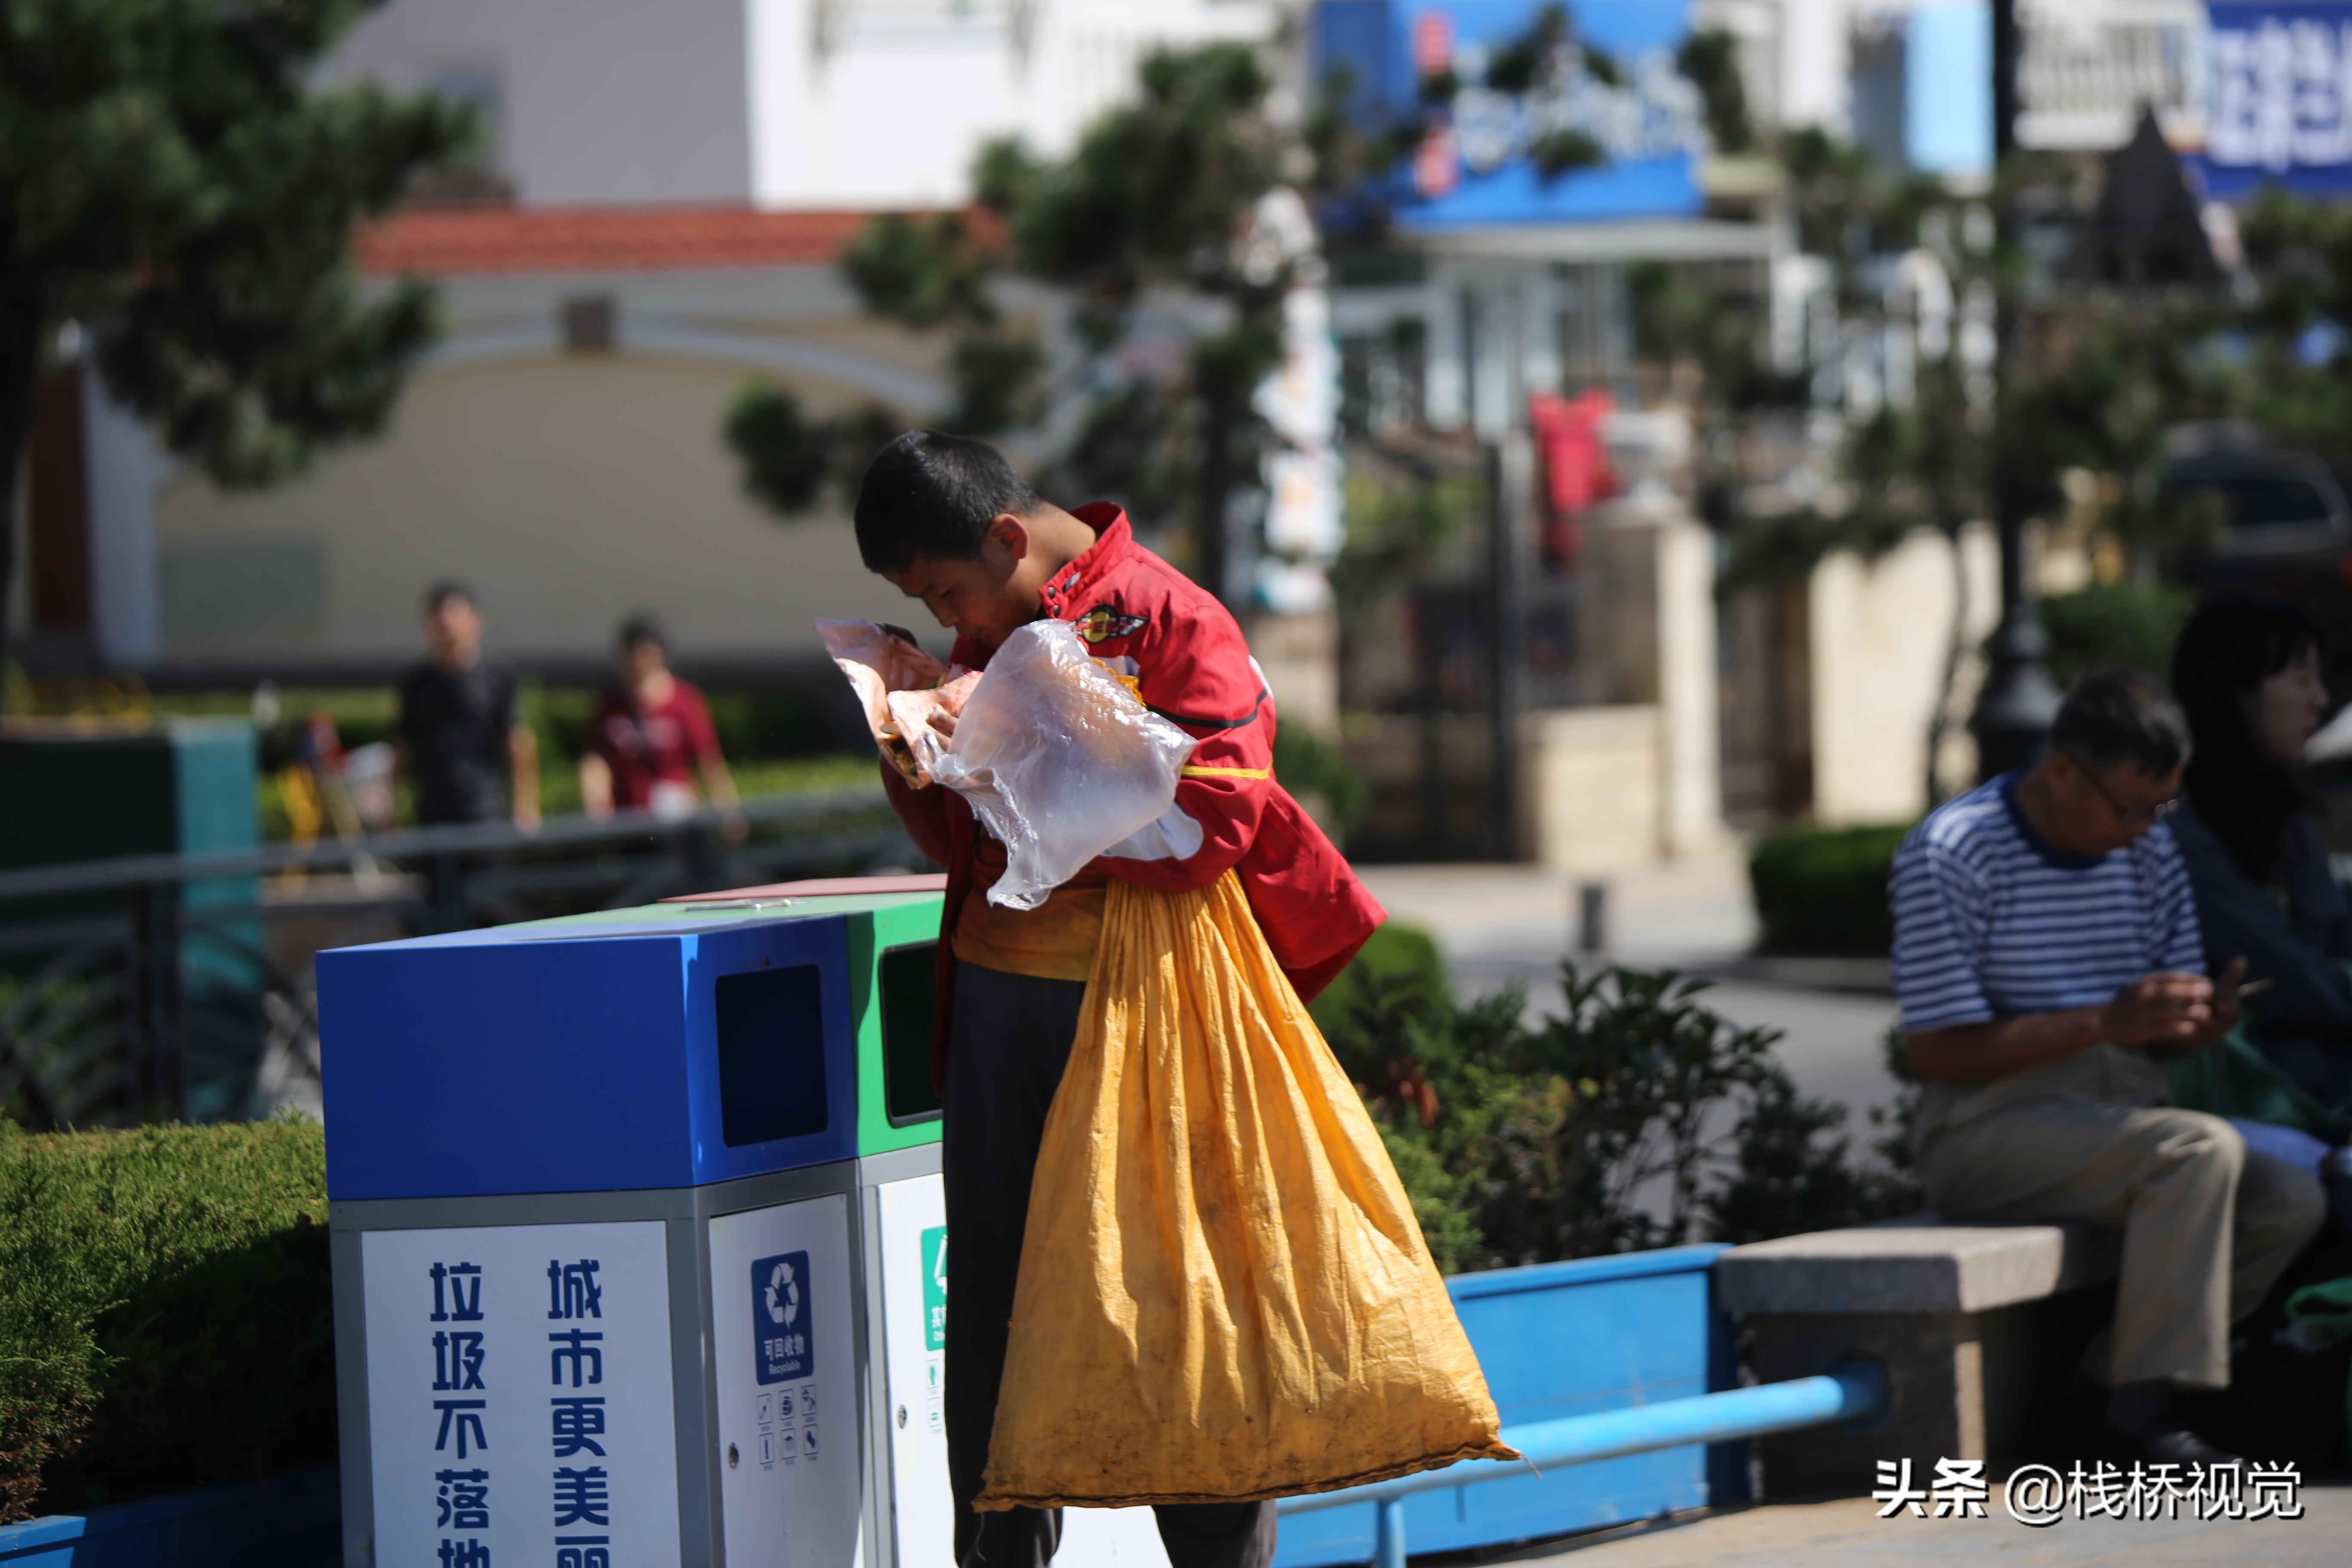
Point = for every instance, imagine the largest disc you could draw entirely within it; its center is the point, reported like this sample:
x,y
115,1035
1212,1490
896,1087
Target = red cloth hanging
x,y
1576,466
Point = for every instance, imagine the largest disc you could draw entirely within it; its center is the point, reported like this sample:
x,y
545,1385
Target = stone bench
x,y
1977,1326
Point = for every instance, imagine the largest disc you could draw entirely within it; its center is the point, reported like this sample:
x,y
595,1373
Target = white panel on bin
x,y
787,1385
914,1323
519,1396
914,1317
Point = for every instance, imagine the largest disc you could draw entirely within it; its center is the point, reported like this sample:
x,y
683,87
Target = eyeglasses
x,y
2146,817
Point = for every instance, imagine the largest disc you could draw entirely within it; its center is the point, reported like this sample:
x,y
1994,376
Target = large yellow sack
x,y
1223,1294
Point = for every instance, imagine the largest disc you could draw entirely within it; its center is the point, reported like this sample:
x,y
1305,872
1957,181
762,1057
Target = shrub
x,y
2109,624
165,1314
1314,770
1823,890
765,722
1790,1174
1638,1118
559,718
1401,965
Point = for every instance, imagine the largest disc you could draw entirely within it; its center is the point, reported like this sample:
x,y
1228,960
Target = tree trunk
x,y
20,371
1215,549
1955,651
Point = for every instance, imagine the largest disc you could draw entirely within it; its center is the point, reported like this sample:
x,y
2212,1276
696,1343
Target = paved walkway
x,y
1848,1534
1499,923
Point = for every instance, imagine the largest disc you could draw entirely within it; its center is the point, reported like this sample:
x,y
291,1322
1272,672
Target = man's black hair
x,y
446,589
643,629
929,494
2121,718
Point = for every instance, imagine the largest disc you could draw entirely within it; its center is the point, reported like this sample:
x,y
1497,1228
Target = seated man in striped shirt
x,y
2048,964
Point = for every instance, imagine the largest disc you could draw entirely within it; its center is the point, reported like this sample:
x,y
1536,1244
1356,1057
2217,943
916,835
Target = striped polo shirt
x,y
1992,922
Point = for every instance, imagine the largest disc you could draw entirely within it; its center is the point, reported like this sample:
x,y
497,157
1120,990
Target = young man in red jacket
x,y
950,522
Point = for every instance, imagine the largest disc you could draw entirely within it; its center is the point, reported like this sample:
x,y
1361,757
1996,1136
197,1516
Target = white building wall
x,y
569,488
1648,618
1816,64
838,104
570,492
1882,630
883,103
123,468
592,101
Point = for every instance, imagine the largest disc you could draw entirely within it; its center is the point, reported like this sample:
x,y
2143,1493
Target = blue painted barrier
x,y
1614,1375
1848,1393
1559,1340
292,1521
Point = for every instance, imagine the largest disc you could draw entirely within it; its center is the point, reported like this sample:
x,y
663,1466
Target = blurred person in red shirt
x,y
652,732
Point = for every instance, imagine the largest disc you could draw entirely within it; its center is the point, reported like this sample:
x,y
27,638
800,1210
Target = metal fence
x,y
179,987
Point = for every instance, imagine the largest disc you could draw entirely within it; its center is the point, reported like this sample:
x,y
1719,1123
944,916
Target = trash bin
x,y
639,1236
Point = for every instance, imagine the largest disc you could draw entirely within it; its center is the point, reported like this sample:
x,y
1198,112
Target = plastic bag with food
x,y
910,699
1059,760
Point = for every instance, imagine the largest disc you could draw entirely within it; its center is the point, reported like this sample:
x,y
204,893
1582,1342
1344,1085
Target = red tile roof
x,y
444,241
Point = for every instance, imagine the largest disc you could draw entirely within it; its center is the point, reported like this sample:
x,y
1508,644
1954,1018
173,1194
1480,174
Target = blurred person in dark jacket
x,y
458,738
2246,671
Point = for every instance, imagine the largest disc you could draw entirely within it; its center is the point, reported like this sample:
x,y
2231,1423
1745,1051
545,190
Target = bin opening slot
x,y
770,1055
911,1002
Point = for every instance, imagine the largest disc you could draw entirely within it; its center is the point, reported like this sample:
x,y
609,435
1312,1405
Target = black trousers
x,y
1011,1039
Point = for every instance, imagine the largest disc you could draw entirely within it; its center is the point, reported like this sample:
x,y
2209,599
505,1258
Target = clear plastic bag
x,y
1059,761
904,691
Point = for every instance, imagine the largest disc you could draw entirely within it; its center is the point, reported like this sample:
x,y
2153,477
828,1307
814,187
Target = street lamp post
x,y
2013,710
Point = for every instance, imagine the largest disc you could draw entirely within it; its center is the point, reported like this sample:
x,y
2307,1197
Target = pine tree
x,y
1150,198
169,183
1152,201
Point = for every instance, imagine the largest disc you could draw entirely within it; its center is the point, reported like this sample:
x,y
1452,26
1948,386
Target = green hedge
x,y
1823,890
2108,623
1311,767
166,1316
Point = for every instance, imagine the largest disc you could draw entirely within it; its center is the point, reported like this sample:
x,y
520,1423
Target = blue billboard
x,y
1471,165
2279,99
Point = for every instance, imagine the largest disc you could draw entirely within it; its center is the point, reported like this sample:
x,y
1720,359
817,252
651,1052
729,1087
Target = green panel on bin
x,y
894,1041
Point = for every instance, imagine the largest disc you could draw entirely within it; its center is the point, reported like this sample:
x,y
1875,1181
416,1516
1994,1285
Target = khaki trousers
x,y
2208,1227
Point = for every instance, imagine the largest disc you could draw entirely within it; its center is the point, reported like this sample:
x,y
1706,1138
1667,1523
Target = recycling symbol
x,y
783,1291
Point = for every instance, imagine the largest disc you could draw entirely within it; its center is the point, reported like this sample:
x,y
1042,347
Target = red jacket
x,y
1144,618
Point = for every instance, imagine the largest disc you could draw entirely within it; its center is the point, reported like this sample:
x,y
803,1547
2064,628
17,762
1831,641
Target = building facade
x,y
655,218
782,105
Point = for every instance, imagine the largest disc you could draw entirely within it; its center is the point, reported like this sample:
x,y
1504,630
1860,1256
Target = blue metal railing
x,y
1851,1390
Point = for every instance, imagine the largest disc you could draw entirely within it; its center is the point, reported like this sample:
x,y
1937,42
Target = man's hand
x,y
2168,1015
2222,1012
2173,1014
2157,1009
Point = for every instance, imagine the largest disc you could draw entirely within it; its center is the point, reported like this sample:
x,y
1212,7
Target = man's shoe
x,y
2180,1446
